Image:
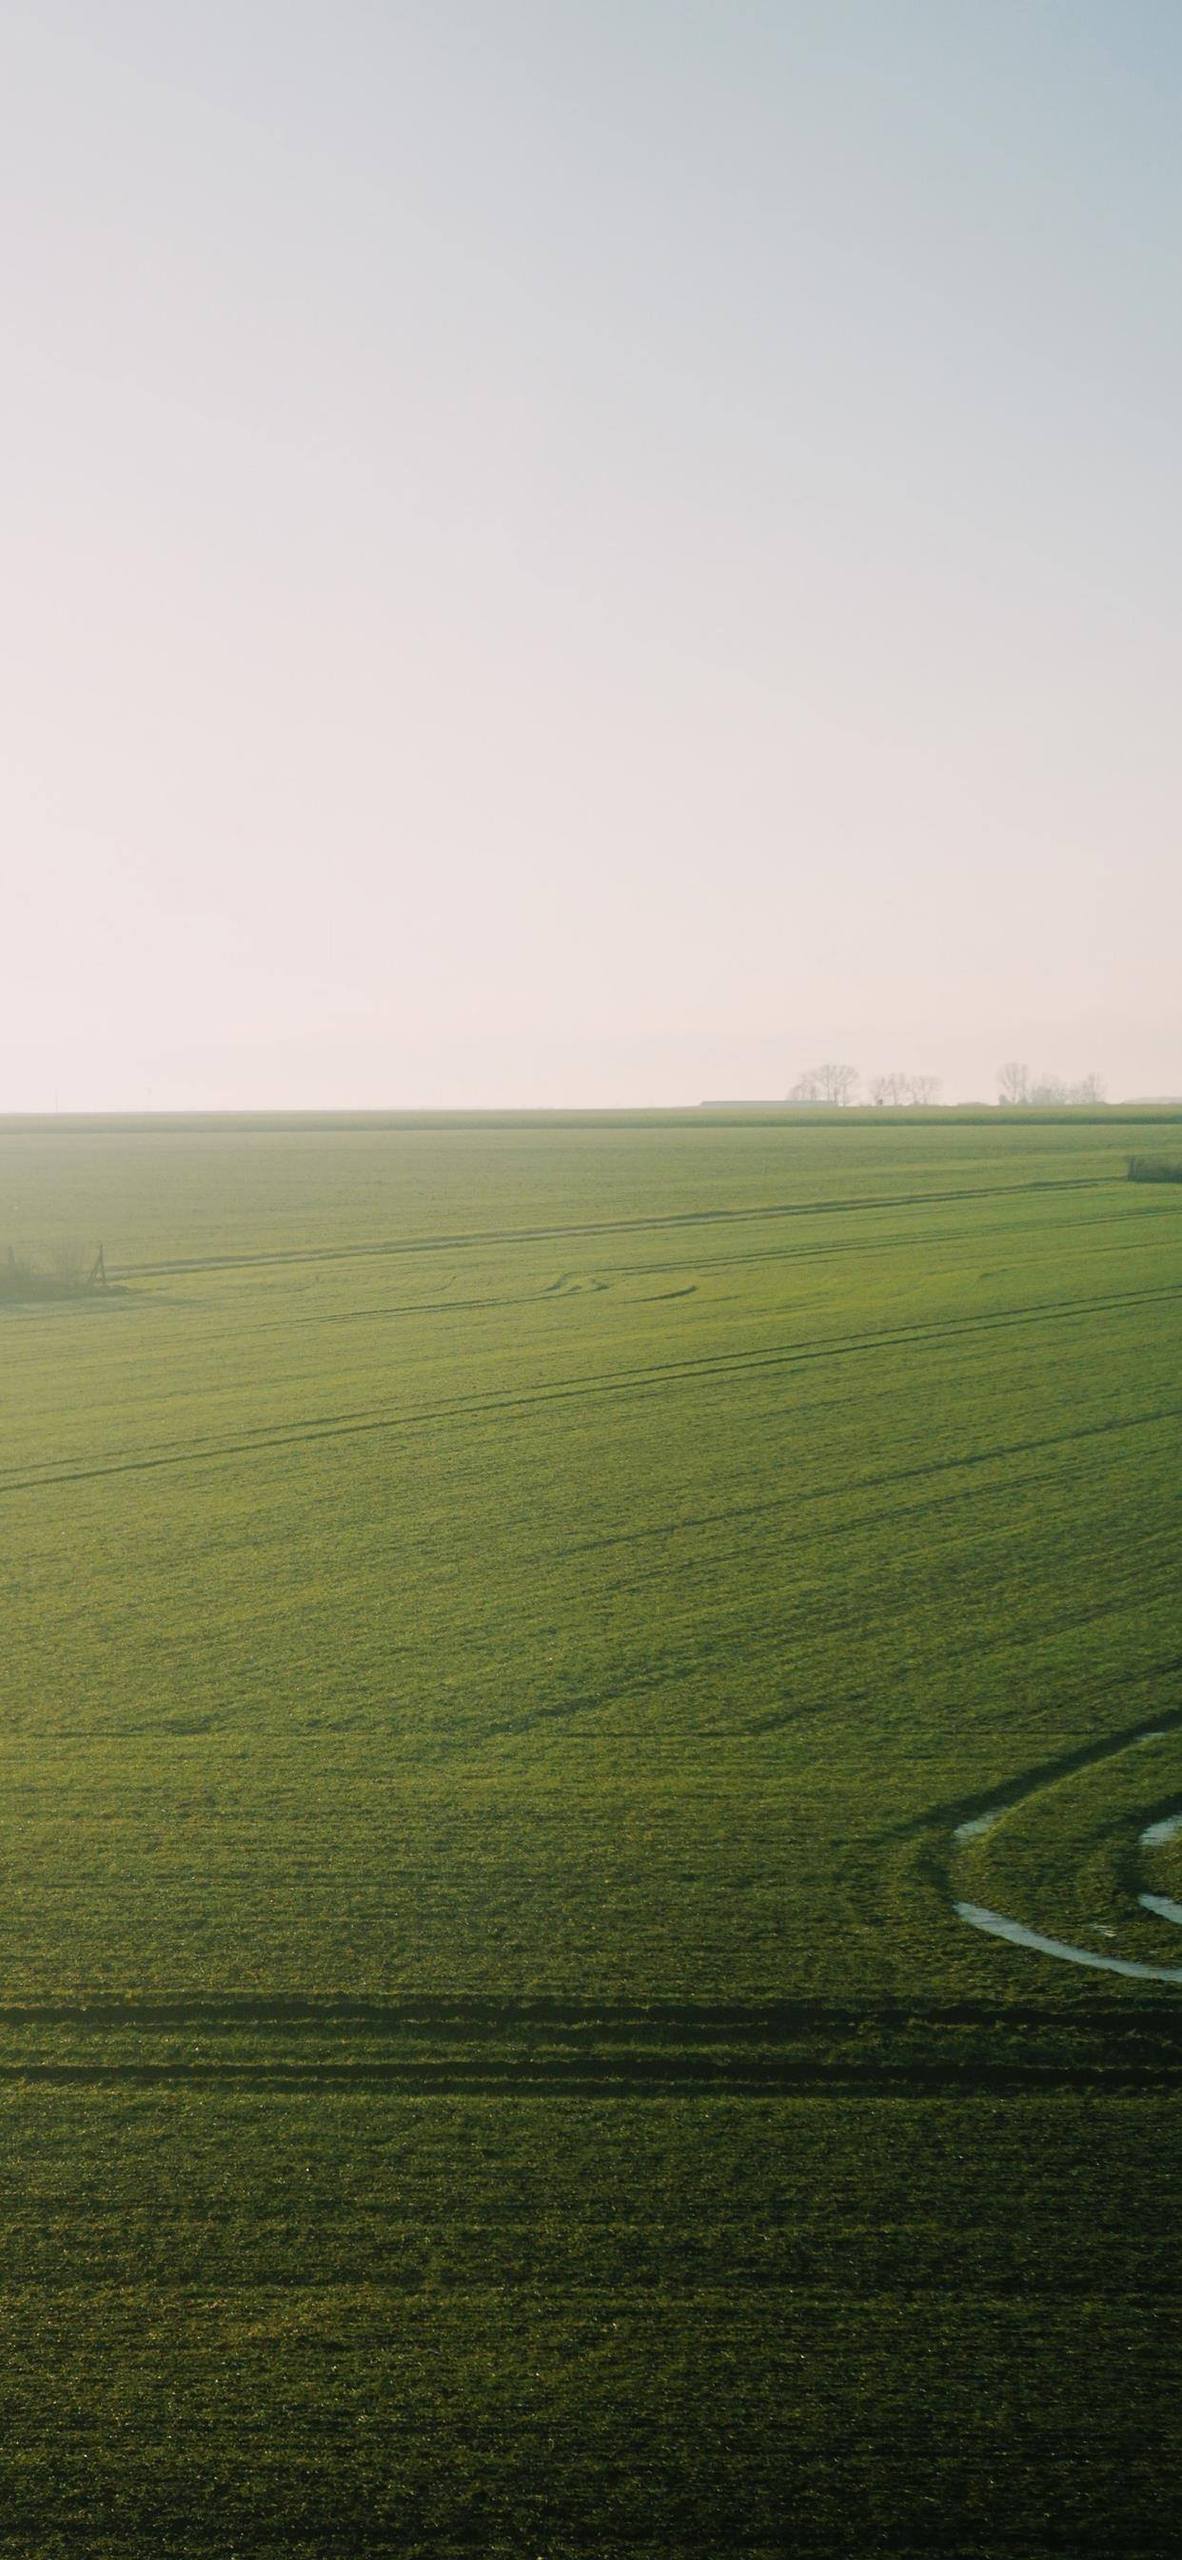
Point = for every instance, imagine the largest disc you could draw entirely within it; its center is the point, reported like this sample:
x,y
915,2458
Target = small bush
x,y
61,1270
1155,1169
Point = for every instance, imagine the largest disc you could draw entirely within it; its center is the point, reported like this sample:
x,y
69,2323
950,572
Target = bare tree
x,y
836,1083
923,1090
66,1260
1053,1090
1051,1093
805,1089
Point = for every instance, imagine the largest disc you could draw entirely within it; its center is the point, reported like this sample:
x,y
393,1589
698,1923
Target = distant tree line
x,y
1016,1085
919,1091
838,1084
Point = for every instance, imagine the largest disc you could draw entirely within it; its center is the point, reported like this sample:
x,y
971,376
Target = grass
x,y
503,1622
322,2324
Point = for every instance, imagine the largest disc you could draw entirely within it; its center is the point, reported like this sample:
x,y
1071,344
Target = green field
x,y
503,1623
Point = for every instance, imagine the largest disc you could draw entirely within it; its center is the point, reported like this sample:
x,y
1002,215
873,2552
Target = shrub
x,y
60,1270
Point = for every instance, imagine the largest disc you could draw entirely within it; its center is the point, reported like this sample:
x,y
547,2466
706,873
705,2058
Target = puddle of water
x,y
996,1925
1165,1909
1159,1832
980,1822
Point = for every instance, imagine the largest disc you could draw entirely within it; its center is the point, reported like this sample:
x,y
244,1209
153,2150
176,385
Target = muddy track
x,y
955,1813
975,1818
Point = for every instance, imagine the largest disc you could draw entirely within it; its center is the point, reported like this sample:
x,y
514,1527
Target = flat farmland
x,y
541,1658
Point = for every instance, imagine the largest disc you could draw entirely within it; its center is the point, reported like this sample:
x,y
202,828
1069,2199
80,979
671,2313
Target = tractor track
x,y
646,1378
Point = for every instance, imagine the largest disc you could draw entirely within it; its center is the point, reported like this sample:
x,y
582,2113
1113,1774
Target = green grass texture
x,y
518,1638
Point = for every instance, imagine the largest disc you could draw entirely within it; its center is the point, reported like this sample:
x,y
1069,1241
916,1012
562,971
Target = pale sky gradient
x,y
587,551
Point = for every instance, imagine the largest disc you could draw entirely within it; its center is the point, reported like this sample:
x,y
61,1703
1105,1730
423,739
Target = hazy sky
x,y
572,551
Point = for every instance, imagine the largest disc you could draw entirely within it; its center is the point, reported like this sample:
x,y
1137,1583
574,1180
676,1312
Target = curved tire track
x,y
979,1820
